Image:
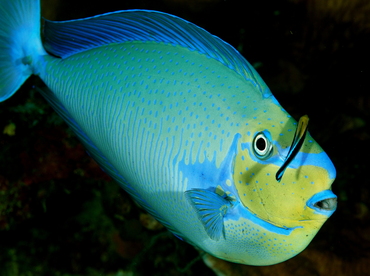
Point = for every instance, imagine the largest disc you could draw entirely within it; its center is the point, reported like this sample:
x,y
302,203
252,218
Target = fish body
x,y
183,123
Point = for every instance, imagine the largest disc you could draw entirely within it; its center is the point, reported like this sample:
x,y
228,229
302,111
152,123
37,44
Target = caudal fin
x,y
20,43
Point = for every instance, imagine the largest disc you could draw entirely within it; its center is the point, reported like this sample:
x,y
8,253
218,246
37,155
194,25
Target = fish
x,y
182,122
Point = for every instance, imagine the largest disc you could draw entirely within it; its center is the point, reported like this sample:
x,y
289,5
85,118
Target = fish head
x,y
283,177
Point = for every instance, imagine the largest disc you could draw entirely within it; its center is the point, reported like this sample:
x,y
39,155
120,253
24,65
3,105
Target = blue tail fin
x,y
20,43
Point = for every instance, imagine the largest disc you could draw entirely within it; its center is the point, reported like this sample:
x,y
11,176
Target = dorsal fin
x,y
66,38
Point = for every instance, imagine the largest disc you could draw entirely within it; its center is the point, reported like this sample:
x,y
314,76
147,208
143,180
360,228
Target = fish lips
x,y
323,203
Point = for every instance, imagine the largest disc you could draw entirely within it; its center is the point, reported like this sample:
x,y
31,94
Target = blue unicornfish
x,y
182,122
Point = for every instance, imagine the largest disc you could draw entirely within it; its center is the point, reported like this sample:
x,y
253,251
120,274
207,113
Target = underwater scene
x,y
61,214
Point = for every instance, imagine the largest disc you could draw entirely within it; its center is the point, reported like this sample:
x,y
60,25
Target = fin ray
x,y
66,38
20,43
211,209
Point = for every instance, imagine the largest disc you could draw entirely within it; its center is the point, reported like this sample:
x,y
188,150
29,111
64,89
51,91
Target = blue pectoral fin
x,y
211,209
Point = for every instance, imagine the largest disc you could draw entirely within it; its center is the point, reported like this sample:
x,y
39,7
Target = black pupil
x,y
261,144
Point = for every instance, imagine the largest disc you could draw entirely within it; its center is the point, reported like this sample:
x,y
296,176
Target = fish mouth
x,y
324,203
327,204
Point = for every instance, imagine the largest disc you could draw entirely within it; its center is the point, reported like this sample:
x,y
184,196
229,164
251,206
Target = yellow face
x,y
301,201
284,202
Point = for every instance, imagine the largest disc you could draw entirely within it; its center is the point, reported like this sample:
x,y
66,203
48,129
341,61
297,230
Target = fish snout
x,y
324,202
327,204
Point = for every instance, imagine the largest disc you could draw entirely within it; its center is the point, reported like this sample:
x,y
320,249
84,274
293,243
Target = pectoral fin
x,y
211,209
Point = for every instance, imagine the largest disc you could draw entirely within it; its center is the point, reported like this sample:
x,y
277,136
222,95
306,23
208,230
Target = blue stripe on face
x,y
241,211
302,159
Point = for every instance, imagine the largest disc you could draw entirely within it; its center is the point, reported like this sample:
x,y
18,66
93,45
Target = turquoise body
x,y
172,116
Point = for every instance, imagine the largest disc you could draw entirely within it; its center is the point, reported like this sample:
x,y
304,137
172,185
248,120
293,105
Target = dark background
x,y
60,215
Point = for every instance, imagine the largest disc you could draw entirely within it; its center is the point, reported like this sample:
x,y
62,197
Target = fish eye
x,y
262,146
